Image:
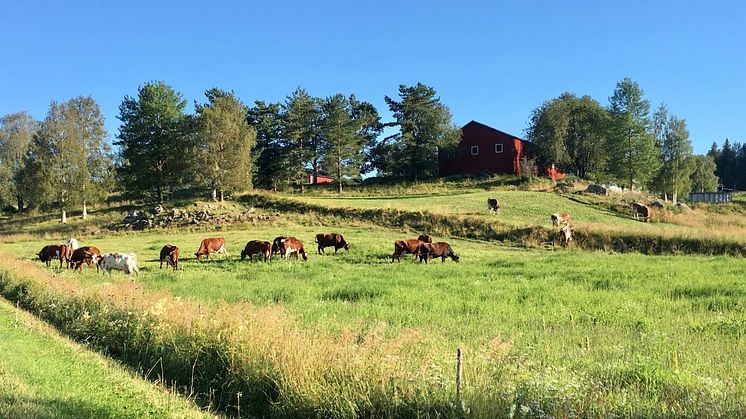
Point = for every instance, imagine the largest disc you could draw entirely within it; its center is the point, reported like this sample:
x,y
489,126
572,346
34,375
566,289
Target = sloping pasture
x,y
552,332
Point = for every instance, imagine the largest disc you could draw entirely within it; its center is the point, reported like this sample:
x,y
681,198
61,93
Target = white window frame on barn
x,y
498,148
474,150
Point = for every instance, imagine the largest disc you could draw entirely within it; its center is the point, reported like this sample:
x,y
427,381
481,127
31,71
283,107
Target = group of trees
x,y
731,164
621,142
225,146
65,161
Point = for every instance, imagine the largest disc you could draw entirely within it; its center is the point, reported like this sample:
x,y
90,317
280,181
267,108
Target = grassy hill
x,y
44,375
557,333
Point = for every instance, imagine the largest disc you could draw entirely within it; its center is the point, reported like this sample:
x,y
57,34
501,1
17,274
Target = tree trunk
x,y
631,175
315,171
63,219
220,195
675,195
214,194
339,173
85,211
19,200
160,195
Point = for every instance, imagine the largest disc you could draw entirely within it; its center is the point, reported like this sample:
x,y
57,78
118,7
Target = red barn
x,y
485,150
320,179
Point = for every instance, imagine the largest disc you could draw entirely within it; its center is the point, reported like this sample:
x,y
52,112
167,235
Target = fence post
x,y
459,362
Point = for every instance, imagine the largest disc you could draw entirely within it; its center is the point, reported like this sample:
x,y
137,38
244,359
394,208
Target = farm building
x,y
484,150
320,179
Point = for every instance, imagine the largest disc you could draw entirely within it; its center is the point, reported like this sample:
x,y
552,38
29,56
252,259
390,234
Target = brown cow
x,y
560,218
566,235
402,247
87,254
276,248
639,209
439,249
425,238
290,246
54,251
329,240
170,254
213,244
257,247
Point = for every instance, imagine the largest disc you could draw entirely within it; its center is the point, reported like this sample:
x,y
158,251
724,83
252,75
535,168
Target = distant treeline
x,y
64,161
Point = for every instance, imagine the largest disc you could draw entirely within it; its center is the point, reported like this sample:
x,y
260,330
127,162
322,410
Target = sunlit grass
x,y
653,329
45,375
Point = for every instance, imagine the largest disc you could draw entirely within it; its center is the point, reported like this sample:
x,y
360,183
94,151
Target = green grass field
x,y
532,208
635,325
44,375
545,333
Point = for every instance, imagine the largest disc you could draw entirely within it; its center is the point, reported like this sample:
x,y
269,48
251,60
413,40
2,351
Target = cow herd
x,y
76,256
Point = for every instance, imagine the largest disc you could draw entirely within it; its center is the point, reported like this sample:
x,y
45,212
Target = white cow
x,y
566,235
126,262
72,245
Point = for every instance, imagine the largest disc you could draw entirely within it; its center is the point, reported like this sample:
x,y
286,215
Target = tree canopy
x,y
69,162
424,126
16,133
570,133
635,158
225,143
156,140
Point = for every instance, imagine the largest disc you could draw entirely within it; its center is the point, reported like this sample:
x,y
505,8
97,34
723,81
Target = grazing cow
x,y
402,247
290,246
54,251
566,235
493,205
170,254
72,245
276,244
257,247
213,244
87,254
126,262
425,238
329,240
639,209
560,218
439,249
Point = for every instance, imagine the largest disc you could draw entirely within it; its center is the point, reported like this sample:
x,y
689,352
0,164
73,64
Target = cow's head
x,y
199,255
425,238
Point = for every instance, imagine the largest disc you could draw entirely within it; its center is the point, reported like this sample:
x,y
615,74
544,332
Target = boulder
x,y
597,189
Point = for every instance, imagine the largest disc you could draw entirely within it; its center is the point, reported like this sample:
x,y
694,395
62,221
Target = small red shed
x,y
320,179
485,150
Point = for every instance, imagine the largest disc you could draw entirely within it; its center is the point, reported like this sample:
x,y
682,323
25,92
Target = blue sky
x,y
490,61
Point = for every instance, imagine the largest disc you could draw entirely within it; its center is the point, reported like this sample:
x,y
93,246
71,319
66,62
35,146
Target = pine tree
x,y
301,117
347,128
634,157
157,141
270,154
424,128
